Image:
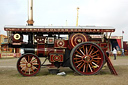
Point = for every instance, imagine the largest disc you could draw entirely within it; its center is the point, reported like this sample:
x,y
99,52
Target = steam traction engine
x,y
72,47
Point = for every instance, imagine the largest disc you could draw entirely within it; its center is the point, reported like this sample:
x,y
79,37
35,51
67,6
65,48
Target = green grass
x,y
10,76
6,58
120,57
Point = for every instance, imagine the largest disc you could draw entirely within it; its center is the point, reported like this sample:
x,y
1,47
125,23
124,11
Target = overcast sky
x,y
92,12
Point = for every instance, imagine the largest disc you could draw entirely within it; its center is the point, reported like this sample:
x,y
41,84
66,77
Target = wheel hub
x,y
87,58
29,65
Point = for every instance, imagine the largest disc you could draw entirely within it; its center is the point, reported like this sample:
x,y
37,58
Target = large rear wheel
x,y
28,65
87,58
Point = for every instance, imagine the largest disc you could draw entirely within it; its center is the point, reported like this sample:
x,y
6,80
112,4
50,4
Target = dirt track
x,y
10,76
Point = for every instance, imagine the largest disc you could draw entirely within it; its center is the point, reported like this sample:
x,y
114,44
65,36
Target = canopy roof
x,y
66,29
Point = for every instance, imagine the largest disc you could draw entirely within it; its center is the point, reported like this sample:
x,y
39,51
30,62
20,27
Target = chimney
x,y
30,13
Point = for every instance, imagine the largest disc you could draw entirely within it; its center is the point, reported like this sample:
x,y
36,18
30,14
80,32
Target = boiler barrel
x,y
29,50
42,52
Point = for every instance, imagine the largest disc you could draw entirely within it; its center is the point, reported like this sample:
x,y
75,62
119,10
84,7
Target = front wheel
x,y
87,58
28,65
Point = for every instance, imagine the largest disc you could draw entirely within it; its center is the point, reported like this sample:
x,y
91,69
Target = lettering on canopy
x,y
57,30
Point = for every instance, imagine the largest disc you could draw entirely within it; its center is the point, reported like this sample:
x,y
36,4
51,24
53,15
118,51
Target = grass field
x,y
10,76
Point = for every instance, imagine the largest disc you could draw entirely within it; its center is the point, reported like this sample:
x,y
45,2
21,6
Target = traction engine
x,y
73,47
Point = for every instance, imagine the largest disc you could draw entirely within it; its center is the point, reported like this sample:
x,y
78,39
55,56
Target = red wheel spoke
x,y
26,70
35,64
29,71
22,62
86,50
95,52
97,58
91,51
95,55
32,69
87,67
28,59
90,48
79,56
83,48
90,67
25,59
22,66
84,69
78,52
78,61
95,64
82,52
81,66
34,61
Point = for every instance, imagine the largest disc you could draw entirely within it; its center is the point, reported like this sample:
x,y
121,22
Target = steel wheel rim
x,y
87,58
28,65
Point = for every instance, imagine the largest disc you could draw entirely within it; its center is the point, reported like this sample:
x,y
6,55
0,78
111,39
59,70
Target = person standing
x,y
114,53
123,52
